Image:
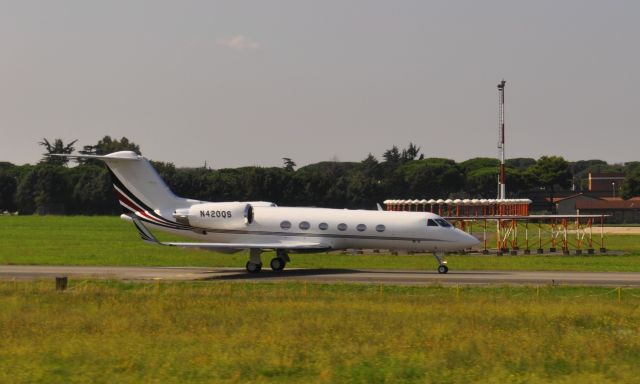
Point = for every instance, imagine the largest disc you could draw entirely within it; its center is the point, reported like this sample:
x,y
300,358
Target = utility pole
x,y
502,193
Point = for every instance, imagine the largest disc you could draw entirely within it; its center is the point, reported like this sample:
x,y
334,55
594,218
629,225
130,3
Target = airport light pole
x,y
501,178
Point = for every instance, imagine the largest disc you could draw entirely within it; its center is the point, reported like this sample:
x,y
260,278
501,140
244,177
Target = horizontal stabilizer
x,y
124,155
144,232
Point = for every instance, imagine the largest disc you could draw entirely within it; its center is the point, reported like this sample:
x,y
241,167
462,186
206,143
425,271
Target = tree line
x,y
52,186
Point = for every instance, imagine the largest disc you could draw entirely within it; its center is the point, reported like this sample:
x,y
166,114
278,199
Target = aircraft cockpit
x,y
438,223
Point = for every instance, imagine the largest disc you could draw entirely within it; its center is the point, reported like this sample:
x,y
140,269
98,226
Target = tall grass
x,y
295,332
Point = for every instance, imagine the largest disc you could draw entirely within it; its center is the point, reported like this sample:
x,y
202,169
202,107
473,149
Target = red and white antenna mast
x,y
502,193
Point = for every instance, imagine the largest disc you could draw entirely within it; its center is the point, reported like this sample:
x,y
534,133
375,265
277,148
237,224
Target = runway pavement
x,y
397,277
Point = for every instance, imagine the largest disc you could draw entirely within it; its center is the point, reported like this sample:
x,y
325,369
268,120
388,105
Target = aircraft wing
x,y
148,237
293,246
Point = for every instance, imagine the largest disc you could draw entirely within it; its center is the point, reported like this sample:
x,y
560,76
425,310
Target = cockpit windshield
x,y
443,223
431,223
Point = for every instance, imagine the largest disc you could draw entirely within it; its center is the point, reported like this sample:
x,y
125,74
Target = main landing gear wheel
x,y
277,264
443,269
253,267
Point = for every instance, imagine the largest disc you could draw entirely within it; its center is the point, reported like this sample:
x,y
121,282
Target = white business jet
x,y
258,226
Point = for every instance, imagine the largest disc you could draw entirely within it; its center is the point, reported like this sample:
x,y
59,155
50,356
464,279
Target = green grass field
x,y
208,331
99,240
105,332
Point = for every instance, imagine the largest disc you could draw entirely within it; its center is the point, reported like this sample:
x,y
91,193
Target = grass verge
x,y
95,240
296,332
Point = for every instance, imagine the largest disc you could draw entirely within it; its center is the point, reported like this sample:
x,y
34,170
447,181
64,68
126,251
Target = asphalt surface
x,y
396,277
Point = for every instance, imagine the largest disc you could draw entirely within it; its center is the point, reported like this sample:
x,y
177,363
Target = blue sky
x,y
238,83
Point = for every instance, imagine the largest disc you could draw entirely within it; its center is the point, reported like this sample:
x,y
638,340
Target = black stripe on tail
x,y
142,205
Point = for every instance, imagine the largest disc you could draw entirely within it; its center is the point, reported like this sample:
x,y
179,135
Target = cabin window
x,y
431,223
323,226
304,225
380,228
443,223
285,225
342,227
361,227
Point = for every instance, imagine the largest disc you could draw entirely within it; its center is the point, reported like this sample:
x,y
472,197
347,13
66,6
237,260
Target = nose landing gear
x,y
442,264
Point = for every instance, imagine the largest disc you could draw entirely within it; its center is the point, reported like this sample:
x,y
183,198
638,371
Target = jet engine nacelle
x,y
216,215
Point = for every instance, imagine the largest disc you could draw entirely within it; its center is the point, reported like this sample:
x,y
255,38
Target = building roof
x,y
636,198
609,204
559,199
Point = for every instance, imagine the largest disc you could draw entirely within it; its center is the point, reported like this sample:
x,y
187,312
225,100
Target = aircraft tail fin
x,y
138,186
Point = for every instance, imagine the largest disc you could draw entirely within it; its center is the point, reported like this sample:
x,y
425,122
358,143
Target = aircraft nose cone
x,y
467,240
472,241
